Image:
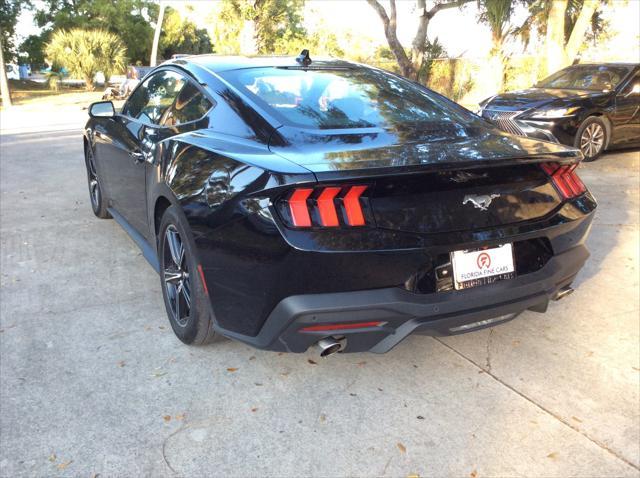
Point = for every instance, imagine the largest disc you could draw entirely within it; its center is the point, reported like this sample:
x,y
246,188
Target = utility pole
x,y
156,35
4,84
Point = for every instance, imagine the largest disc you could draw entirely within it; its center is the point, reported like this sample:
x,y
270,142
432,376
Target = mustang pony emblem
x,y
481,201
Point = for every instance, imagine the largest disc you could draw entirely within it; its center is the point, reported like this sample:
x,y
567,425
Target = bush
x,y
86,52
452,78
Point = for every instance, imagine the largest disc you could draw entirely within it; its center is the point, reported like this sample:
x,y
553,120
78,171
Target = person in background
x,y
126,87
130,83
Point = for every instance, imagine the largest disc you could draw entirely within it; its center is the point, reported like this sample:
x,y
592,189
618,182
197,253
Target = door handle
x,y
137,156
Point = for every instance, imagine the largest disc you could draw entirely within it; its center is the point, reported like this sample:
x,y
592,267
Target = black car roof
x,y
220,63
616,64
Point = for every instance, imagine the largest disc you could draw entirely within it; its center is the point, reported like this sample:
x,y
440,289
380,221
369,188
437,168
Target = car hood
x,y
367,152
534,98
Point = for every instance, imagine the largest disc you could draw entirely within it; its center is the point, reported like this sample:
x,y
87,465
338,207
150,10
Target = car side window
x,y
635,81
190,105
153,97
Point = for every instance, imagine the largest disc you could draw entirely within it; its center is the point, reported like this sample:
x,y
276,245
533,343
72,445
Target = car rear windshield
x,y
344,98
586,77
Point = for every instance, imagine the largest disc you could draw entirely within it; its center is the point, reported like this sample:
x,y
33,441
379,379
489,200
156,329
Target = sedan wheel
x,y
592,140
176,276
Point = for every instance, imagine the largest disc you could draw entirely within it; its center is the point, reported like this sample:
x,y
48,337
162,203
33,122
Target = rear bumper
x,y
404,312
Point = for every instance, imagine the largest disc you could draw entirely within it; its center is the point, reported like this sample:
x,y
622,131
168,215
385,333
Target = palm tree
x,y
86,52
497,15
563,24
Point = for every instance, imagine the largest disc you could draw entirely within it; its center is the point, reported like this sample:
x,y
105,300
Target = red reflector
x,y
353,325
298,207
204,282
352,206
326,207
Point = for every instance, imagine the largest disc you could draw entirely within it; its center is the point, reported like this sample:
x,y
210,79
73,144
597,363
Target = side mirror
x,y
102,109
635,90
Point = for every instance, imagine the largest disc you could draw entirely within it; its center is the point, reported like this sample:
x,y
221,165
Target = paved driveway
x,y
94,382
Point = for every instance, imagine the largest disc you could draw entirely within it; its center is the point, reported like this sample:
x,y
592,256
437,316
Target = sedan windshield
x,y
344,98
586,77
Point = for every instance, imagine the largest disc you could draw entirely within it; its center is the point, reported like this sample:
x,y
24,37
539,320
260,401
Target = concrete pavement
x,y
92,380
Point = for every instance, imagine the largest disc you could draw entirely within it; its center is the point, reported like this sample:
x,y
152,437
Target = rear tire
x,y
98,201
185,296
591,138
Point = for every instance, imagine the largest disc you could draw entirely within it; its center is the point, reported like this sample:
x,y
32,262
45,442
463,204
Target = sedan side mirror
x,y
635,90
102,109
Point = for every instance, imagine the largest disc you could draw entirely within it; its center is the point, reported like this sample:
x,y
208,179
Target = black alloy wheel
x,y
185,296
176,276
98,202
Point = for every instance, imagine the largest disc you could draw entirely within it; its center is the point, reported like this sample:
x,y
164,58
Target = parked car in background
x,y
593,107
13,71
287,202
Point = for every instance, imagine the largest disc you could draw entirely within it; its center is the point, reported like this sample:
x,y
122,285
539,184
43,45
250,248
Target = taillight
x,y
330,206
565,179
298,207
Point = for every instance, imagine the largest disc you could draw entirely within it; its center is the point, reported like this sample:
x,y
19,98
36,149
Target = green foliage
x,y
128,19
522,72
54,79
278,25
539,15
497,15
86,52
433,50
9,12
182,36
452,78
32,49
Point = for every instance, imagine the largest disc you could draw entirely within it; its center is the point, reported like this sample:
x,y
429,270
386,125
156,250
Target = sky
x,y
459,30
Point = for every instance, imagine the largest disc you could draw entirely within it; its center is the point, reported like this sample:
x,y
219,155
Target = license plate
x,y
473,268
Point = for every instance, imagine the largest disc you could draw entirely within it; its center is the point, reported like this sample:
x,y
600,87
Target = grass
x,y
26,92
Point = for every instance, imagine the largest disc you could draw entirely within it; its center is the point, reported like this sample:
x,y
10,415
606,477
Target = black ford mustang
x,y
591,107
287,203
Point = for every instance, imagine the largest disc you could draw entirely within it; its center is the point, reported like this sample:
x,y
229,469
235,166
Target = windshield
x,y
344,98
586,77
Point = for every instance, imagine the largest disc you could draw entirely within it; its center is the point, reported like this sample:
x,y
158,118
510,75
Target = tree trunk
x,y
419,44
579,29
156,36
389,24
555,36
88,83
499,61
4,84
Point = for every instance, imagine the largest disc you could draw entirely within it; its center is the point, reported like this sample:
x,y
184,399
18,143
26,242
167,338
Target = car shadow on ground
x,y
611,179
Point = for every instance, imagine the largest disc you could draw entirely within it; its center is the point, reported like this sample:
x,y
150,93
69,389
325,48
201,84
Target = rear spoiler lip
x,y
364,173
571,156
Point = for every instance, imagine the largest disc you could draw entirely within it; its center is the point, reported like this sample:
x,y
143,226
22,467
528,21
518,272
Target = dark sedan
x,y
591,107
287,203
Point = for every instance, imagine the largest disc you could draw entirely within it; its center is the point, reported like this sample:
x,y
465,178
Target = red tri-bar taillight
x,y
565,179
329,206
298,207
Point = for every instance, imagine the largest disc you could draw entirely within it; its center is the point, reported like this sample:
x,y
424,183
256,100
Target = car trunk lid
x,y
452,182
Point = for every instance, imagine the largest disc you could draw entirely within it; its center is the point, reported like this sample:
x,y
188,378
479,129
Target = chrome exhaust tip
x,y
331,345
562,293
